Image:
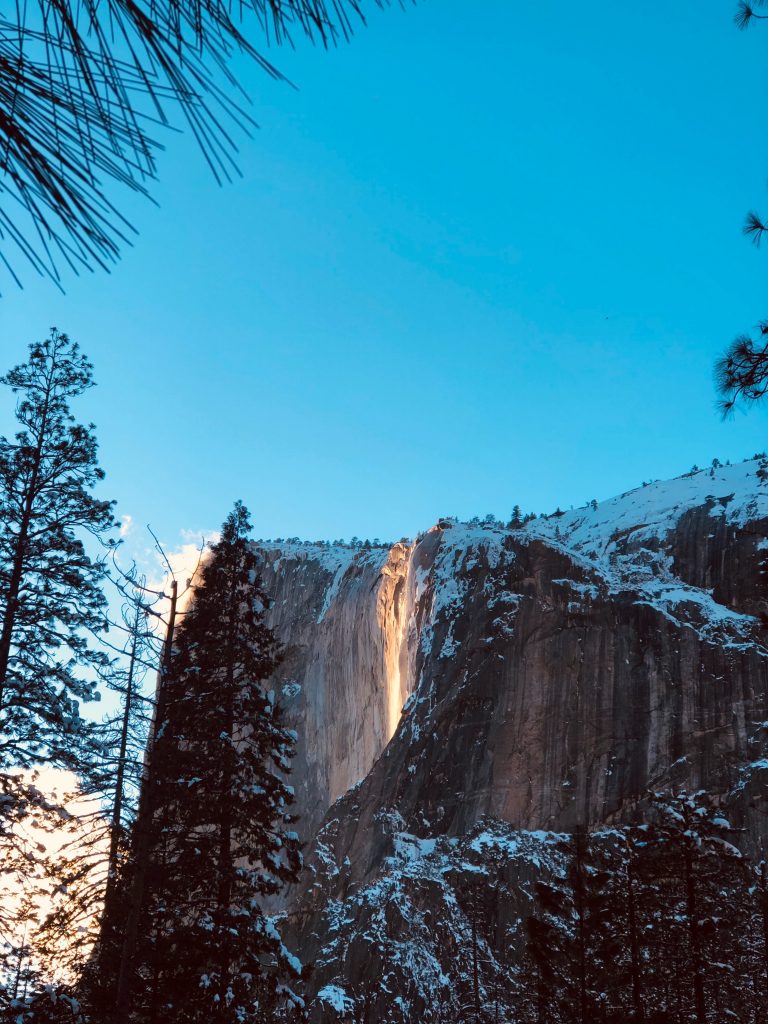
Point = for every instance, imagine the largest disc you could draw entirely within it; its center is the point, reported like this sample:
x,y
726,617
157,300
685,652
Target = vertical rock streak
x,y
346,619
397,624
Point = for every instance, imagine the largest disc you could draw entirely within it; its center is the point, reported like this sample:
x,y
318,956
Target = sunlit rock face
x,y
564,666
342,615
470,695
551,674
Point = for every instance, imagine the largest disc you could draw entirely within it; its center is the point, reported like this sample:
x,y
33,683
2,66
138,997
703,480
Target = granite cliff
x,y
486,688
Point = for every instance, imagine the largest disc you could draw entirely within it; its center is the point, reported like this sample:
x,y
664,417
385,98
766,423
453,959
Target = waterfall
x,y
399,629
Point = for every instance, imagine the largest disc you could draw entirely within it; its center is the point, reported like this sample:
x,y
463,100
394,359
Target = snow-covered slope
x,y
646,515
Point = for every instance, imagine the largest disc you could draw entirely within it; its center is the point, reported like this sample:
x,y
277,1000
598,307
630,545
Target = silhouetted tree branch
x,y
85,86
741,373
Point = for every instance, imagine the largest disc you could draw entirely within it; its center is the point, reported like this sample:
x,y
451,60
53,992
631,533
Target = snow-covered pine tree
x,y
758,932
221,811
548,935
573,943
698,885
51,600
623,962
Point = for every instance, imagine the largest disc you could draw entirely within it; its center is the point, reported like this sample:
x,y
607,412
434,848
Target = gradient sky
x,y
483,255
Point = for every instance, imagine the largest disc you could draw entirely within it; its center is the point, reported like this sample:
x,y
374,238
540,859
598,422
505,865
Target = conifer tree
x,y
51,602
221,840
627,893
548,939
516,519
758,937
50,588
575,940
699,875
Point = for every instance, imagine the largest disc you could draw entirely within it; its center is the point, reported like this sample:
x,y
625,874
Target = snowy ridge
x,y
620,542
331,557
739,493
620,545
623,540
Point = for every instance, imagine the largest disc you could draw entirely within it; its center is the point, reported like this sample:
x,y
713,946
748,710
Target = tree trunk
x,y
634,942
117,808
144,819
475,972
580,907
693,930
19,555
763,890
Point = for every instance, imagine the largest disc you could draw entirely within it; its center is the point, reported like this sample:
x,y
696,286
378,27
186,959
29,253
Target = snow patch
x,y
335,997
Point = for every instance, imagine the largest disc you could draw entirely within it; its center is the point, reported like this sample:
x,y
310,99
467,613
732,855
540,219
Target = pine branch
x,y
754,227
86,87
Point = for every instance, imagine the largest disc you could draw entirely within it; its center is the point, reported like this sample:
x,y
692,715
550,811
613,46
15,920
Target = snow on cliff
x,y
738,493
464,699
365,626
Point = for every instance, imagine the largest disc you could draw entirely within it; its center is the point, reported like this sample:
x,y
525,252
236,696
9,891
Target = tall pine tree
x,y
51,601
220,825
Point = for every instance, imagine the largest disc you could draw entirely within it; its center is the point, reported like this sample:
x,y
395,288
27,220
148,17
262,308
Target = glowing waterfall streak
x,y
398,675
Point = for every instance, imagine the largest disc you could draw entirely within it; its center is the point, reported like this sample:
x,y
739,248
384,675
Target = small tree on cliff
x,y
221,836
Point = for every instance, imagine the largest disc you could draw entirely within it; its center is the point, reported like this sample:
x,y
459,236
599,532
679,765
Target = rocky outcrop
x,y
553,674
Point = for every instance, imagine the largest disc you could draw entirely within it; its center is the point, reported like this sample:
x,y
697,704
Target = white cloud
x,y
184,560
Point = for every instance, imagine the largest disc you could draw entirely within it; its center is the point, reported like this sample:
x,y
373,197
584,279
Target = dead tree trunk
x,y
144,820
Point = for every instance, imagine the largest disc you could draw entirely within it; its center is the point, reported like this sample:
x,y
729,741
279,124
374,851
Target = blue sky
x,y
474,260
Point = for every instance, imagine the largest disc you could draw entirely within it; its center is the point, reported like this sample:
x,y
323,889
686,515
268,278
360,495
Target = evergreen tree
x,y
549,937
577,944
50,588
633,974
698,885
220,839
51,602
753,966
89,866
741,373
